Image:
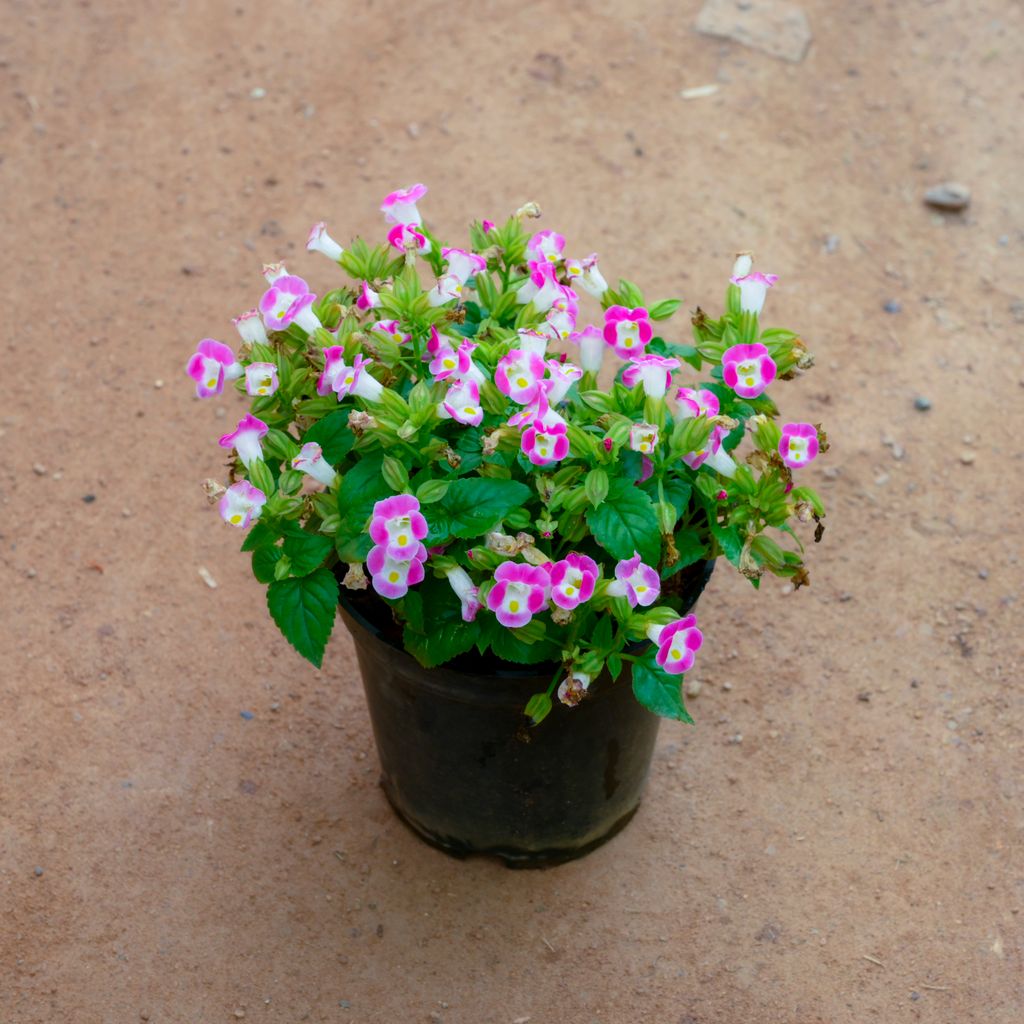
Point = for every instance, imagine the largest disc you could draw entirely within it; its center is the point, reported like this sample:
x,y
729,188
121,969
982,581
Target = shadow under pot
x,y
461,765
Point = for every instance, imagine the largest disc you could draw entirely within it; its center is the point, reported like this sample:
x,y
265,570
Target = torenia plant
x,y
436,429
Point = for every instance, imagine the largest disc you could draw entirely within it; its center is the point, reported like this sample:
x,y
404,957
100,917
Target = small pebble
x,y
158,384
693,687
345,1004
864,697
831,244
922,404
892,306
57,476
31,573
967,458
39,469
726,686
88,498
37,872
247,715
258,93
950,195
1003,240
983,574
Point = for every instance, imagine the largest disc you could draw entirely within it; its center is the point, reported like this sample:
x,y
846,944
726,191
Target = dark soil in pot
x,y
462,766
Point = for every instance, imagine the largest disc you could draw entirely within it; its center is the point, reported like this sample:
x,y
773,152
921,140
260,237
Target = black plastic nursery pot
x,y
462,766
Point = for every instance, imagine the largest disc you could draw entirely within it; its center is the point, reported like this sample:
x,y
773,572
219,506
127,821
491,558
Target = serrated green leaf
x,y
259,536
303,608
626,523
306,550
730,540
474,505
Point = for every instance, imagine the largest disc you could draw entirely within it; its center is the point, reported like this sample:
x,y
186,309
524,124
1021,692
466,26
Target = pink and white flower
x,y
406,236
592,347
653,372
250,327
697,402
447,289
261,379
713,454
538,411
677,642
643,438
628,331
533,341
753,285
462,403
638,583
518,375
799,444
545,247
334,367
242,504
465,590
356,380
398,525
748,369
273,271
392,329
542,289
586,274
561,319
245,439
311,461
320,241
561,377
573,580
367,298
399,207
518,594
464,265
211,365
543,445
289,300
391,577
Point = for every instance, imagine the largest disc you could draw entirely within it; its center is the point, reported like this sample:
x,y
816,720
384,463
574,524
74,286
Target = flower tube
x,y
320,241
586,274
653,372
261,379
545,247
643,438
462,403
311,461
250,327
592,346
356,380
246,438
406,236
399,207
465,590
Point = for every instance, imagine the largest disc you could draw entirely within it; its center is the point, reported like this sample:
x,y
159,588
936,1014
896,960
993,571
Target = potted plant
x,y
517,546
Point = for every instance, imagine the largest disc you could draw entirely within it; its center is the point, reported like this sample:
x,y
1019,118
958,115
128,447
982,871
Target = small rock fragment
x,y
37,872
892,306
39,469
950,195
774,27
699,92
922,404
206,577
693,687
831,244
967,458
257,93
247,715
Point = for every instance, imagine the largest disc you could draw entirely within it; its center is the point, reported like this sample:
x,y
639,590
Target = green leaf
x,y
396,476
474,505
538,707
614,664
303,608
664,309
259,536
678,492
510,648
444,641
333,435
432,490
306,550
260,475
658,691
264,563
596,486
730,540
626,523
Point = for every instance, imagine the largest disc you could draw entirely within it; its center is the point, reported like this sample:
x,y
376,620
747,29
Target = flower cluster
x,y
445,430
